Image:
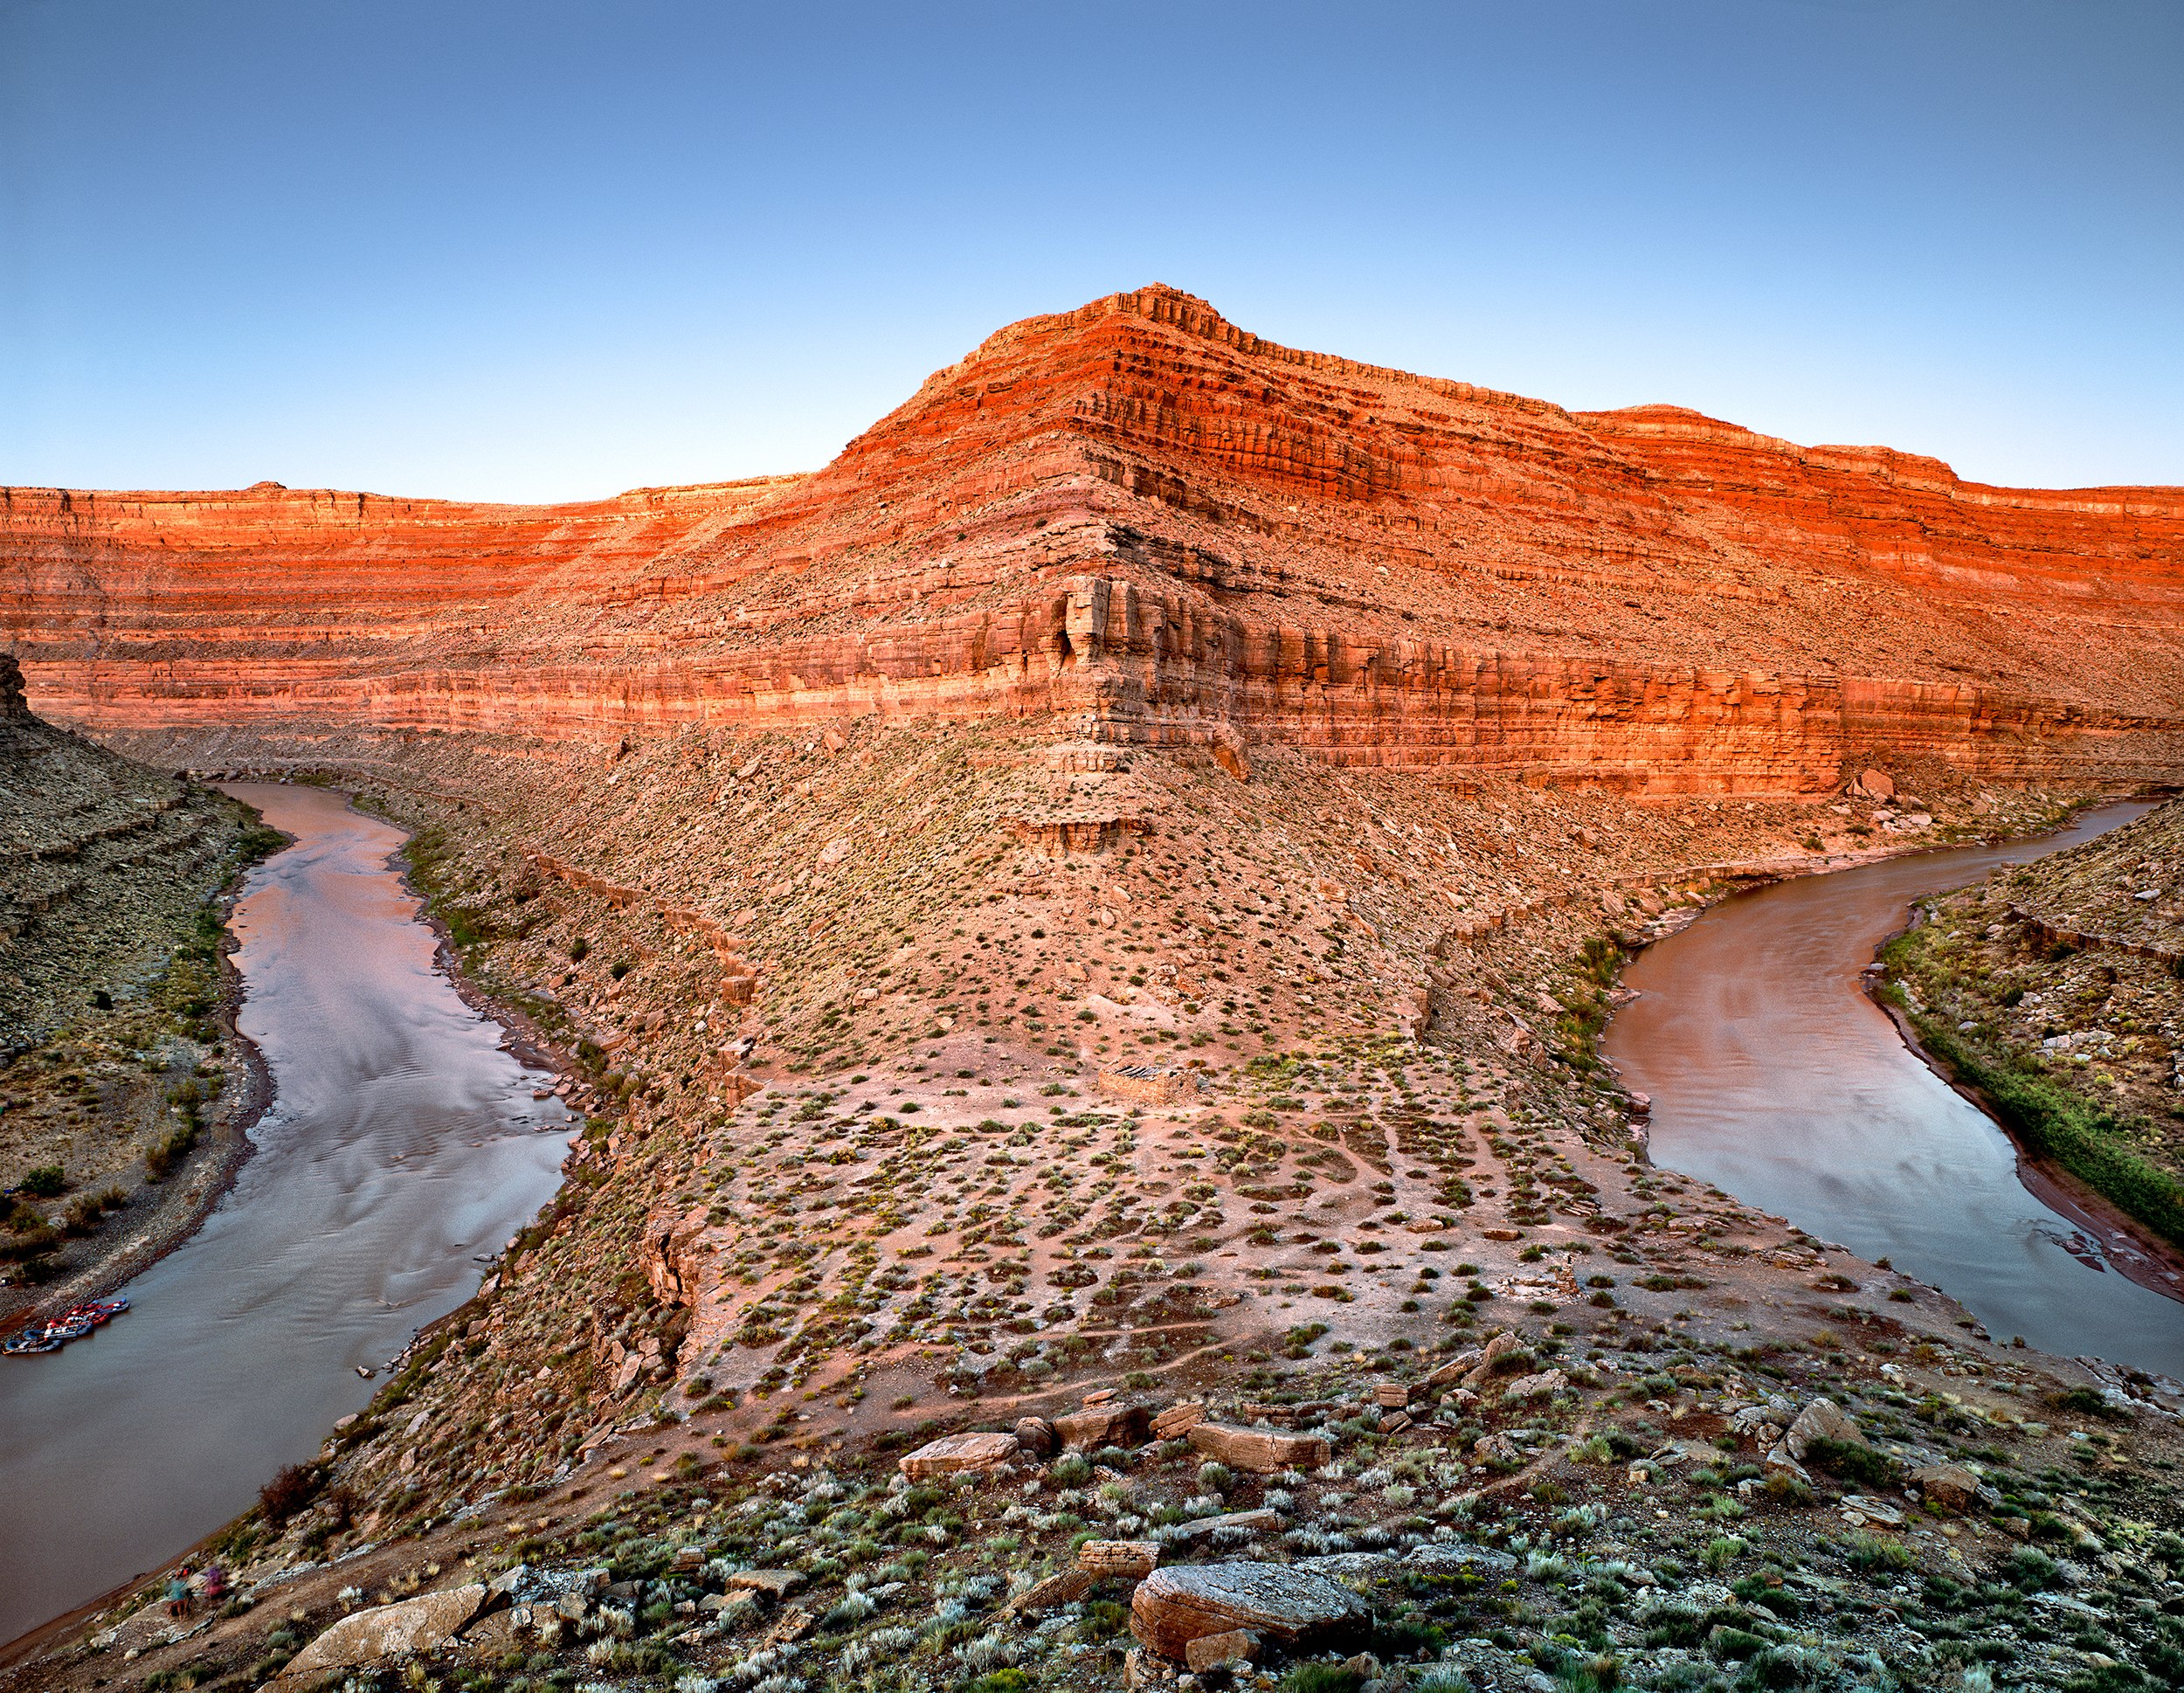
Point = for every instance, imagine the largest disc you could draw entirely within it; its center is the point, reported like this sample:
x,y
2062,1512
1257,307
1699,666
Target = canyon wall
x,y
1140,515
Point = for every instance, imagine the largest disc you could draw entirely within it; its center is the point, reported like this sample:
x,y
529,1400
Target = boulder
x,y
388,1631
1453,1371
1178,1420
1102,1425
952,1453
1302,1610
1875,785
1237,1646
1543,1385
1258,1449
1037,1437
1952,1487
1391,1395
1821,1419
1496,1348
1777,1458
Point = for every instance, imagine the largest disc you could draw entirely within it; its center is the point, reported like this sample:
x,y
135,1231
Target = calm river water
x,y
1775,1078
402,1141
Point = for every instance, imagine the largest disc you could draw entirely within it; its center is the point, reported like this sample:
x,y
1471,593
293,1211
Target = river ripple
x,y
1775,1077
403,1143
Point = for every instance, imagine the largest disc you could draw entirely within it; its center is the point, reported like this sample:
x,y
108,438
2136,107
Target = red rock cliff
x,y
1138,512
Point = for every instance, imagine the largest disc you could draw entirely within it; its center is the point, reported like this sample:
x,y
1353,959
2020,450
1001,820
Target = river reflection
x,y
1775,1077
402,1142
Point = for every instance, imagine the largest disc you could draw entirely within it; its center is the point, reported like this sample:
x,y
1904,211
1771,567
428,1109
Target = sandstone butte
x,y
1137,514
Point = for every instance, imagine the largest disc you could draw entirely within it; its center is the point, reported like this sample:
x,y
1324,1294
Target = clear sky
x,y
548,250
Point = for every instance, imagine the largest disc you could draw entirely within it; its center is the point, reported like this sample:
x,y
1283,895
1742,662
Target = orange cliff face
x,y
1138,513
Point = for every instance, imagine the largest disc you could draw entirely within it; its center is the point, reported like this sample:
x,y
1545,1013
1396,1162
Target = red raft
x,y
56,1333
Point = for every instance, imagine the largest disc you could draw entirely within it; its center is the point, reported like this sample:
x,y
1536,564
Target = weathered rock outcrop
x,y
1139,514
100,859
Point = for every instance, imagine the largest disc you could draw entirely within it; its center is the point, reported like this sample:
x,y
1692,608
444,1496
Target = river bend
x,y
403,1145
1776,1079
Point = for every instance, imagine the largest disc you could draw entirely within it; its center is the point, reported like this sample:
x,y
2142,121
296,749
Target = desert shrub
x,y
2084,1401
2031,1569
289,1491
1322,1678
45,1182
1862,1464
1869,1552
1672,1625
1406,1636
1734,1643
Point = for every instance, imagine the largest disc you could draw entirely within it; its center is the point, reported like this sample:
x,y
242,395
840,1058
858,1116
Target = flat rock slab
x,y
775,1584
1249,1522
1376,1565
388,1631
954,1453
1259,1449
1303,1610
1064,1589
151,1627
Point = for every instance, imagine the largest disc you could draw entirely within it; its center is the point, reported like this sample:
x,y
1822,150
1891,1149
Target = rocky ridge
x,y
1139,514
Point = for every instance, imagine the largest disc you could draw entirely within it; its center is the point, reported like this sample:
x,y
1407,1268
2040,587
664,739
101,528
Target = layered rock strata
x,y
1176,532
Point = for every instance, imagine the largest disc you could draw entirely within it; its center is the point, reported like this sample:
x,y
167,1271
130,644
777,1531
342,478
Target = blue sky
x,y
552,250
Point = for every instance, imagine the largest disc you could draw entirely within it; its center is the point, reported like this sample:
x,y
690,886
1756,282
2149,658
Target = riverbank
x,y
147,1156
403,1146
2063,1012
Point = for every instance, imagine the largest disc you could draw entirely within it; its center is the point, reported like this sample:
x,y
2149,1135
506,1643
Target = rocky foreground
x,y
1874,1505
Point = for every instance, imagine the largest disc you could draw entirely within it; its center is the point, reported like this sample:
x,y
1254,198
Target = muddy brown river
x,y
1775,1077
403,1144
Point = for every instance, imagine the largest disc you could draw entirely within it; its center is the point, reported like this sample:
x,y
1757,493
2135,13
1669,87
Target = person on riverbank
x,y
178,1593
213,1583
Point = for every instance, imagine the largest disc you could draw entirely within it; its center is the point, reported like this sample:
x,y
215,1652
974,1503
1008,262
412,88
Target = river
x,y
1776,1079
403,1143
